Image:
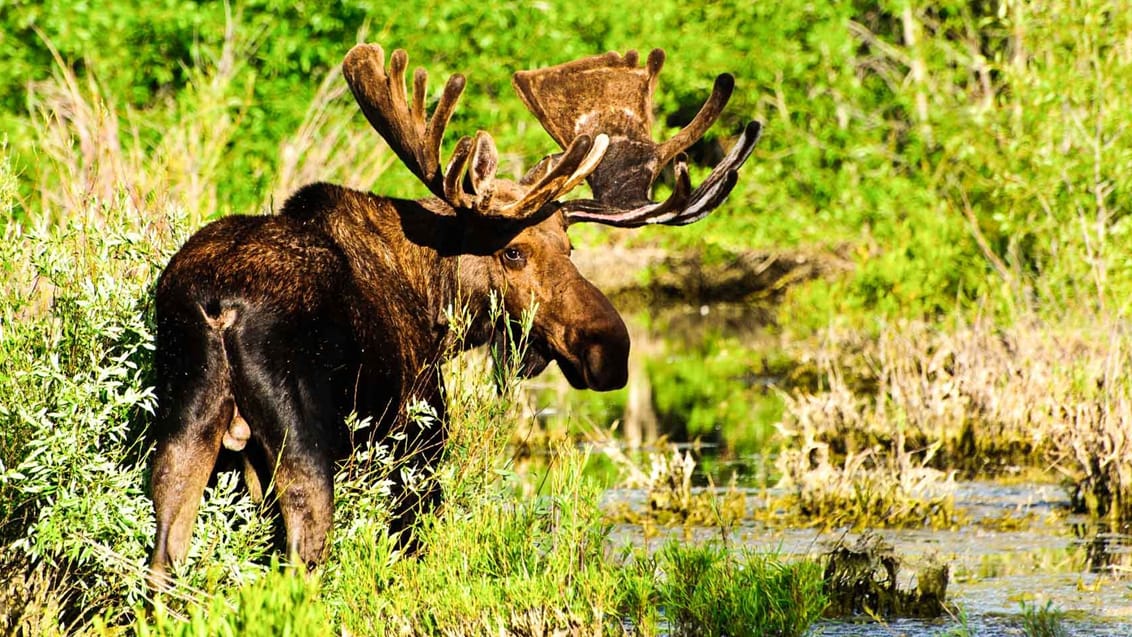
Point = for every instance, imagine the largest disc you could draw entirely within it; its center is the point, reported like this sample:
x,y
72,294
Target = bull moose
x,y
272,330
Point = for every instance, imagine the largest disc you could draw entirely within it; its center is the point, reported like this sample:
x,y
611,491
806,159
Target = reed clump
x,y
873,488
974,400
665,477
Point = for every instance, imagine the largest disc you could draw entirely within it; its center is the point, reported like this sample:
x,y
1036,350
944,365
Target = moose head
x,y
272,329
599,110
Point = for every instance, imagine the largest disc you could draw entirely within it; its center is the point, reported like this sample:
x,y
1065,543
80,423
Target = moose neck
x,y
444,247
415,251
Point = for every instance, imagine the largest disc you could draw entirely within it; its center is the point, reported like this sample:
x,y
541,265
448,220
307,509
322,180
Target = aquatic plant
x,y
665,474
862,577
1043,621
872,487
713,591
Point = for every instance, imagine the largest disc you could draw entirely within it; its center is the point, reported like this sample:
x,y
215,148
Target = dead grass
x,y
172,155
334,143
977,399
665,476
89,151
873,488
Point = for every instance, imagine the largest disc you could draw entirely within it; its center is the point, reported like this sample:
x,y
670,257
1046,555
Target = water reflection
x,y
1107,551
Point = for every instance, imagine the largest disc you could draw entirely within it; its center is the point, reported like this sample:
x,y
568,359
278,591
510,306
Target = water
x,y
1019,546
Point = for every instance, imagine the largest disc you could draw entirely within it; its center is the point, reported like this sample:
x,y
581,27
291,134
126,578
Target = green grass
x,y
1043,621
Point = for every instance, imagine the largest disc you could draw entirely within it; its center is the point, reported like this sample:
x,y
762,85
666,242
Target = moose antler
x,y
468,183
610,94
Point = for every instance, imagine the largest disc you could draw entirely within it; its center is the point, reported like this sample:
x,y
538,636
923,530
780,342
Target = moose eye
x,y
514,257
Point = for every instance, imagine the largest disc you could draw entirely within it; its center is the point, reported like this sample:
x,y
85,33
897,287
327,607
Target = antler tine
x,y
680,208
414,138
581,210
718,185
708,113
570,169
453,191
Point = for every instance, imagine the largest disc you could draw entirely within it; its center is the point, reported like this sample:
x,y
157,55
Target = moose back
x,y
271,330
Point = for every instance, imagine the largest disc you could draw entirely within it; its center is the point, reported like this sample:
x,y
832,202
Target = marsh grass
x,y
665,475
1043,621
873,488
708,590
916,402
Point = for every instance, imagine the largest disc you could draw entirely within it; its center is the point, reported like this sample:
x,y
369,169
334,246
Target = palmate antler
x,y
468,183
610,94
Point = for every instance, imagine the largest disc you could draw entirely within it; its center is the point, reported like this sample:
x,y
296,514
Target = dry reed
x,y
977,398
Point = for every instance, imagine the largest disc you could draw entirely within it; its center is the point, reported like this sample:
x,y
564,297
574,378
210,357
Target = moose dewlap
x,y
271,330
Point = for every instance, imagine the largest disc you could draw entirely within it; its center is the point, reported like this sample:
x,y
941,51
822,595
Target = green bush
x,y
965,152
74,374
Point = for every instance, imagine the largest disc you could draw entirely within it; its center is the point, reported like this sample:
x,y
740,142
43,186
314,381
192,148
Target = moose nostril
x,y
606,369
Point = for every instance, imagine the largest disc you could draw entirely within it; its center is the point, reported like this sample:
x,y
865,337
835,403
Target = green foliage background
x,y
964,151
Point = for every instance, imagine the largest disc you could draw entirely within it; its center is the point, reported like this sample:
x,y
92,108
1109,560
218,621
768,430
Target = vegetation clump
x,y
670,498
974,398
864,577
710,590
1043,621
873,488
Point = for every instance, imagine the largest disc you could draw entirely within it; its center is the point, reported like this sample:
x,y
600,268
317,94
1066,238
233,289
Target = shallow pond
x,y
1018,547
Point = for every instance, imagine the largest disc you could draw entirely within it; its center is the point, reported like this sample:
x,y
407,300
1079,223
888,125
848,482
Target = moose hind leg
x,y
181,469
195,409
305,484
287,379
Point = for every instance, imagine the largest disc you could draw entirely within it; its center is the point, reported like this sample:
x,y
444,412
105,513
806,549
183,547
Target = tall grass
x,y
974,398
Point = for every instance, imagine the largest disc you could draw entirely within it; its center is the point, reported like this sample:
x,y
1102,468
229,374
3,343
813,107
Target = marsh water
x,y
1018,545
